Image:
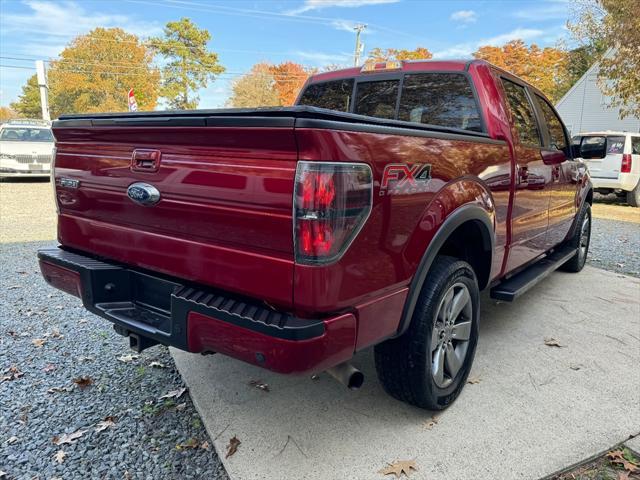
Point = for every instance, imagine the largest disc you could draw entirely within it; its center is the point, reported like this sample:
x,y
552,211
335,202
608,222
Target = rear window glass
x,y
16,134
522,112
377,99
554,126
444,99
635,145
615,145
334,95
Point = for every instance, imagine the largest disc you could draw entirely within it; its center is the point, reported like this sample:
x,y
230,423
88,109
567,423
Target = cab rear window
x,y
334,95
443,99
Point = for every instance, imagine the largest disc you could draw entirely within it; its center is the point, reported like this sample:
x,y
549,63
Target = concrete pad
x,y
536,410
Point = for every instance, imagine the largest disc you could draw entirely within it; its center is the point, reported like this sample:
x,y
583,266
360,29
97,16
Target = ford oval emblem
x,y
143,193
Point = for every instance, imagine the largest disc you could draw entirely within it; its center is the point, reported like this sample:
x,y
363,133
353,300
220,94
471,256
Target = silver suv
x,y
26,148
619,170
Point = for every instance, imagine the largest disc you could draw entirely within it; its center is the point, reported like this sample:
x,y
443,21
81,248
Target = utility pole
x,y
42,83
359,46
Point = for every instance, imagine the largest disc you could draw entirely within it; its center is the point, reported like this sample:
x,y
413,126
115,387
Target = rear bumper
x,y
199,319
625,181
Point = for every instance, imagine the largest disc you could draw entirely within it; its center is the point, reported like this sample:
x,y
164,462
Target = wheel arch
x,y
465,220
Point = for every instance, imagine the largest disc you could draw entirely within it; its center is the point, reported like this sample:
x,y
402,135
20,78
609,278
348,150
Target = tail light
x,y
626,163
332,202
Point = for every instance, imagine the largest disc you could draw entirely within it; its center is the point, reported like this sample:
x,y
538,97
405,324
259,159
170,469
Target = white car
x,y
26,148
619,171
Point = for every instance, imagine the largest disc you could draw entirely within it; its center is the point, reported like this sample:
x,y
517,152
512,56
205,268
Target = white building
x,y
584,108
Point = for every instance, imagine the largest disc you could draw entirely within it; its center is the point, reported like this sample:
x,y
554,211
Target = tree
x,y
380,55
95,72
7,113
615,25
28,103
190,65
255,89
289,78
544,68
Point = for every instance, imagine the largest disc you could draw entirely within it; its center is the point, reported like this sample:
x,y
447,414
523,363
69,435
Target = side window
x,y
615,145
334,95
557,138
635,145
443,99
522,113
377,99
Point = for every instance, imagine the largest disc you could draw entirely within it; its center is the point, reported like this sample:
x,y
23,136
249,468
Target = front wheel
x,y
429,364
580,241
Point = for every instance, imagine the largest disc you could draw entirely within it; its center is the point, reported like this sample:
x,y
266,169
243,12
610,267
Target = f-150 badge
x,y
405,179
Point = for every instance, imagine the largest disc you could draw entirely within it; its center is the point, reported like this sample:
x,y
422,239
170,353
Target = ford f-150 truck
x,y
371,213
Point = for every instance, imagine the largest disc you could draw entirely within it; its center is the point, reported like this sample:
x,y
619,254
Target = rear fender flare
x,y
463,214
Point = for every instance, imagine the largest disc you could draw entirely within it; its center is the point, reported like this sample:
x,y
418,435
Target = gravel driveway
x,y
46,341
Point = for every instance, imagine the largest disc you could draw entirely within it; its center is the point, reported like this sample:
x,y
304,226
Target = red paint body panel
x,y
225,218
335,346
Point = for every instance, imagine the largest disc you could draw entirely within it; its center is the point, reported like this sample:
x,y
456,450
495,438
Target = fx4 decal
x,y
405,179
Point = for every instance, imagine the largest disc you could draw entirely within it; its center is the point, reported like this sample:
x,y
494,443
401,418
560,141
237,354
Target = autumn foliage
x,y
95,72
544,68
380,55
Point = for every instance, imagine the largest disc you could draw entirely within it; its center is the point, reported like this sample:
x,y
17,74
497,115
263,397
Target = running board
x,y
512,288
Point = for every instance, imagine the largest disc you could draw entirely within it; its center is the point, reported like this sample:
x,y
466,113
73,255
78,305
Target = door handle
x,y
145,160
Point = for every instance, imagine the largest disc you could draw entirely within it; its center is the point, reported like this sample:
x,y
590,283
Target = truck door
x,y
564,173
530,210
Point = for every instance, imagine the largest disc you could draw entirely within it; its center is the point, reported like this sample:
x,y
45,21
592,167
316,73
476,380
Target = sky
x,y
245,32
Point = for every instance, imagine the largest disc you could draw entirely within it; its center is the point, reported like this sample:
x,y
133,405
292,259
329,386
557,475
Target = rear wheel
x,y
429,364
633,197
580,241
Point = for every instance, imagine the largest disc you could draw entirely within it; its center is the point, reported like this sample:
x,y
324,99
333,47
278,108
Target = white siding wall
x,y
585,109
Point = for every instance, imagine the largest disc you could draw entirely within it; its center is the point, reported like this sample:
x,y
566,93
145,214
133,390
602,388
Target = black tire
x,y
633,197
579,241
404,364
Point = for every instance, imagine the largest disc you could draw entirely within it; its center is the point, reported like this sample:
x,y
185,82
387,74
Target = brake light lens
x,y
626,163
332,202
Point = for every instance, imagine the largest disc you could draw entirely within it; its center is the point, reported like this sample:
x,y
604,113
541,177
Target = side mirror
x,y
553,157
593,147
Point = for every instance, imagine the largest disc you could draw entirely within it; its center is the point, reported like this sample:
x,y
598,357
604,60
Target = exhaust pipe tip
x,y
348,375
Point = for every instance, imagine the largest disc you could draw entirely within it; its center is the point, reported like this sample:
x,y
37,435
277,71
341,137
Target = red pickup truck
x,y
371,213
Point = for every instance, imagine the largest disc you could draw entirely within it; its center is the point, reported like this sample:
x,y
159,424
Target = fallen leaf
x,y
128,358
68,438
49,368
60,389
82,320
232,448
106,423
474,380
56,334
575,367
623,475
38,342
429,424
12,440
620,265
552,342
191,443
127,475
400,467
205,446
174,393
616,455
59,456
260,385
181,407
85,359
12,373
156,365
83,382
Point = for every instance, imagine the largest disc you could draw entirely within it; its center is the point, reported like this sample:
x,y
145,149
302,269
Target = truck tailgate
x,y
224,214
